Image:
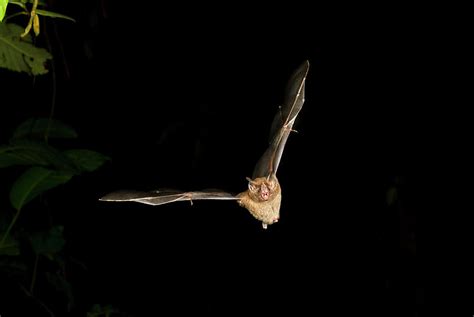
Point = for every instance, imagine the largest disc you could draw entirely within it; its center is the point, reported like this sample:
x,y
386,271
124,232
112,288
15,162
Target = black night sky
x,y
184,98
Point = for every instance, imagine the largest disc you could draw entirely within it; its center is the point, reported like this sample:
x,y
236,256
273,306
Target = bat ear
x,y
272,181
272,185
252,186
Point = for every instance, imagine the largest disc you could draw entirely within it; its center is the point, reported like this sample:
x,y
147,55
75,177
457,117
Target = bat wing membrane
x,y
167,196
283,123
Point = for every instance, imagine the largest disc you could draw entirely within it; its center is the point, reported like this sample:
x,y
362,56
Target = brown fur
x,y
267,211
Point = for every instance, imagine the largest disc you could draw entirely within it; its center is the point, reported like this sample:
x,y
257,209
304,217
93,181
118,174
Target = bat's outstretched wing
x,y
283,123
166,196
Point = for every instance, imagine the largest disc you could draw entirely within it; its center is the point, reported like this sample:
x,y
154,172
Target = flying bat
x,y
263,195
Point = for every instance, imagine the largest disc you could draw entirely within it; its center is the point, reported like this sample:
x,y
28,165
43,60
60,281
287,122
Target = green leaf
x,y
3,8
86,160
35,181
37,127
53,15
8,159
24,154
10,246
48,243
19,54
28,152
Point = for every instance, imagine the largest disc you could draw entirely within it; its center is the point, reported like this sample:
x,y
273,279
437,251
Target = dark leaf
x,y
48,243
86,160
10,246
29,152
35,181
37,127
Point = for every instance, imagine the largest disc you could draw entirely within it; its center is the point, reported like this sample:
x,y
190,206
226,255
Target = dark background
x,y
184,98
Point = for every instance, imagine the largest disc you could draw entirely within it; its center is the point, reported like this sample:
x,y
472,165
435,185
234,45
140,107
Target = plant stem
x,y
14,15
10,226
33,277
54,85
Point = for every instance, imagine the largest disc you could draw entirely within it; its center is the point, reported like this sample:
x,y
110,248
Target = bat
x,y
263,195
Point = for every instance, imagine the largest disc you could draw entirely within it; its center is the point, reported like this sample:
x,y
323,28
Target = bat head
x,y
262,188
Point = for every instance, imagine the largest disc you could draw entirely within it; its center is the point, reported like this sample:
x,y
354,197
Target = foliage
x,y
48,166
17,52
44,168
38,253
37,127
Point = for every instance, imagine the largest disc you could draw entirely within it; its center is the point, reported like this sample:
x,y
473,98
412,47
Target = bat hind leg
x,y
264,225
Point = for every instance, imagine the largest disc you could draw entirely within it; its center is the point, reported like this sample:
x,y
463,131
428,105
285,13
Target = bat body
x,y
262,199
263,196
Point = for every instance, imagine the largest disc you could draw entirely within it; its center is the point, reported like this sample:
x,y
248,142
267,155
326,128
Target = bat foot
x,y
264,225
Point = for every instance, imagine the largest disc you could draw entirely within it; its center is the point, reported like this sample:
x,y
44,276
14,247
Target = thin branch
x,y
54,85
37,300
35,270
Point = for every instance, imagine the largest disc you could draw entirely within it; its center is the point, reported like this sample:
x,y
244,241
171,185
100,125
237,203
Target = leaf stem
x,y
10,226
